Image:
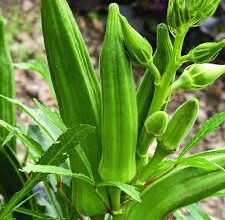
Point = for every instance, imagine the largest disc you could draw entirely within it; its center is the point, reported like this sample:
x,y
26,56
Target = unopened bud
x,y
198,76
179,125
187,13
137,46
206,52
156,123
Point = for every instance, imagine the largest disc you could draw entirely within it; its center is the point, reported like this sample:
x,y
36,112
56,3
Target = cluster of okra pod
x,y
128,121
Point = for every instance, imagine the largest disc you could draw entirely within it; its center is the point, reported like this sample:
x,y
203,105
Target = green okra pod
x,y
119,109
179,125
155,126
176,131
78,94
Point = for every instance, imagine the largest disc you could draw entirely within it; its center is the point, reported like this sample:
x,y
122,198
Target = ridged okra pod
x,y
119,109
78,93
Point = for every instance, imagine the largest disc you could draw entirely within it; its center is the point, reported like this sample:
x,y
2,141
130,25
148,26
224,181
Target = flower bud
x,y
137,46
179,125
202,9
187,13
156,123
198,76
206,52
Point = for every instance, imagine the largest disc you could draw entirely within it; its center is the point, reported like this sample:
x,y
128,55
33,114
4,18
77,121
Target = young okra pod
x,y
179,125
119,108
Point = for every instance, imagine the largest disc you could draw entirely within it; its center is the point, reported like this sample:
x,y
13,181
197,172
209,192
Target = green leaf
x,y
52,115
128,189
38,66
55,155
42,117
208,127
85,161
39,136
9,137
219,194
49,169
30,144
198,162
197,213
34,214
179,216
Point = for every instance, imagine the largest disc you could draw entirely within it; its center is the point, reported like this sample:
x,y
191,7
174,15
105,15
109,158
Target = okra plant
x,y
91,153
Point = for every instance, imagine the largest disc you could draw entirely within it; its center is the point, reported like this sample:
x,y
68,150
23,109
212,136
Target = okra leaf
x,y
34,214
208,127
210,153
179,215
55,156
49,169
128,189
219,194
54,116
33,146
35,132
42,117
9,137
85,161
199,162
196,212
38,66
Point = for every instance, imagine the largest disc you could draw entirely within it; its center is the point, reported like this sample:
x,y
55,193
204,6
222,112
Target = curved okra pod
x,y
176,131
78,94
119,109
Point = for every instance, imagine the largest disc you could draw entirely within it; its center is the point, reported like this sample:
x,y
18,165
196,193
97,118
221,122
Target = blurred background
x,y
24,36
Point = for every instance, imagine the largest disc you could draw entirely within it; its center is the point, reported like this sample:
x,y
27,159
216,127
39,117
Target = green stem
x,y
162,89
115,199
155,72
142,156
150,168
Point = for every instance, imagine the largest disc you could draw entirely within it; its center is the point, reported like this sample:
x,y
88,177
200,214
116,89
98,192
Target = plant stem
x,y
115,199
162,89
149,169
